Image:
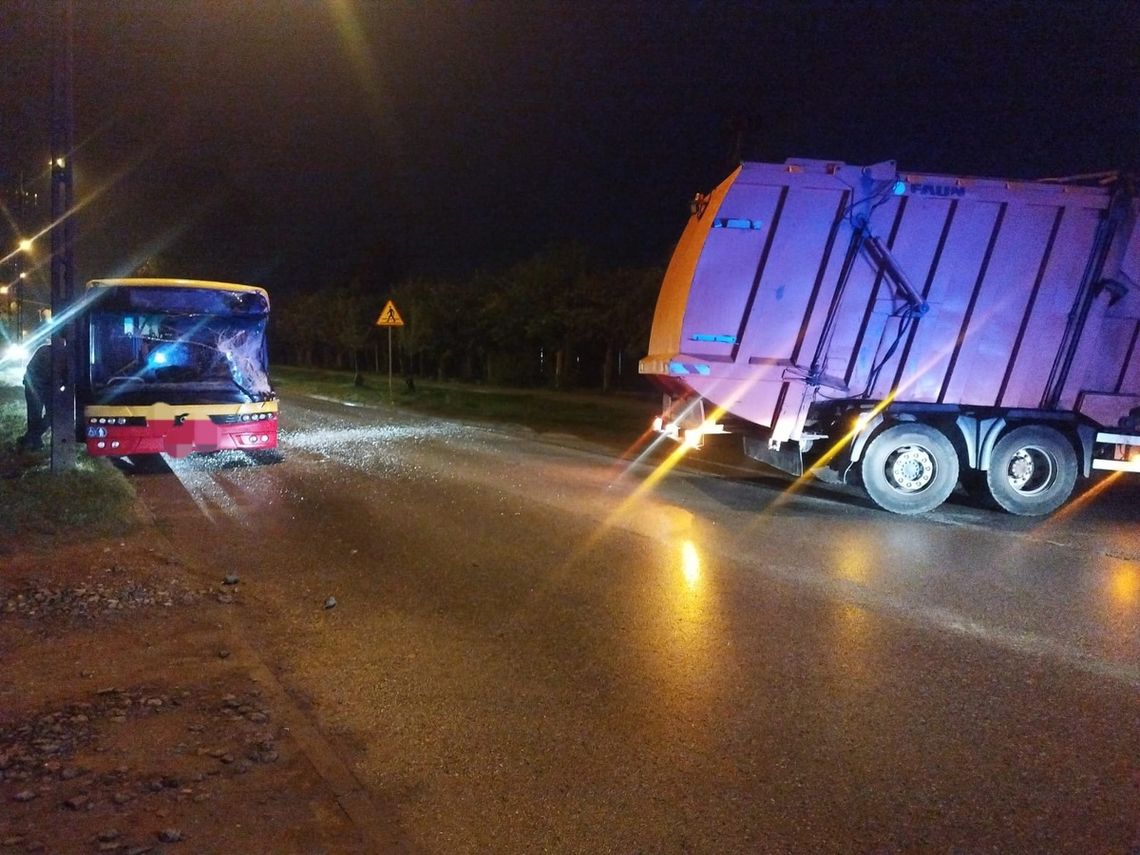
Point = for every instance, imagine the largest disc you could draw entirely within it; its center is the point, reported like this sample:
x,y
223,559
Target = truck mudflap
x,y
684,420
785,456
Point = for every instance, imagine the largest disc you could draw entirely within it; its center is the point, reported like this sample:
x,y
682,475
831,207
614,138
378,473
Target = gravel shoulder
x,y
135,718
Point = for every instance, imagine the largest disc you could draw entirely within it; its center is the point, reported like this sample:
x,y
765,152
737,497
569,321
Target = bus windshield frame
x,y
180,345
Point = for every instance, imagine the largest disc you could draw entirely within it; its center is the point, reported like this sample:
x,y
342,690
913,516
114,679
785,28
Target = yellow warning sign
x,y
389,317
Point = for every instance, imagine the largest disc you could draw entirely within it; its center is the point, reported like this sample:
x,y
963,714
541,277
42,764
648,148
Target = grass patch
x,y
93,500
618,417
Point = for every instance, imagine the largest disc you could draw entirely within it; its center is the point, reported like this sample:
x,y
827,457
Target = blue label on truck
x,y
945,190
719,339
736,223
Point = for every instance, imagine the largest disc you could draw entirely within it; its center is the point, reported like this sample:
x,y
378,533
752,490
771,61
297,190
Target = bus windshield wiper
x,y
249,393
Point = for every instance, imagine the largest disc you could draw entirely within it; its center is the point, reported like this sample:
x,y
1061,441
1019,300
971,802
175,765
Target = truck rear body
x,y
805,290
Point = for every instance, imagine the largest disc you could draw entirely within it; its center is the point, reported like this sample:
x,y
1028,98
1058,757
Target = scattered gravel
x,y
90,599
52,754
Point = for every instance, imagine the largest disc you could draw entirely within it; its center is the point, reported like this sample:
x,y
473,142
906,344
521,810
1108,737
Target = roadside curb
x,y
373,822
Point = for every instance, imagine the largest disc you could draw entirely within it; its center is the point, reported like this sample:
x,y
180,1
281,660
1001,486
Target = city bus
x,y
175,366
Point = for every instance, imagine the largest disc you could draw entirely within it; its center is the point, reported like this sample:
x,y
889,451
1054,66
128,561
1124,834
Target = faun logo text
x,y
937,190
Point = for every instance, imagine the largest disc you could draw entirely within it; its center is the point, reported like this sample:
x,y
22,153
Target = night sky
x,y
288,144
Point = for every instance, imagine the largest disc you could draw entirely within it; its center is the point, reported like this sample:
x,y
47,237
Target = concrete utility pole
x,y
64,342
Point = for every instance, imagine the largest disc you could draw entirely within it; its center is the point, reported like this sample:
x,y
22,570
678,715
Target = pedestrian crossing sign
x,y
389,317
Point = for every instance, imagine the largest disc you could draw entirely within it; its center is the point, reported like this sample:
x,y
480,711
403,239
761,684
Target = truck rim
x,y
1031,470
911,469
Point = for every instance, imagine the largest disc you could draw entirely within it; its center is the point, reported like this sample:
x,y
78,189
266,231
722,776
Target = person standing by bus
x,y
37,396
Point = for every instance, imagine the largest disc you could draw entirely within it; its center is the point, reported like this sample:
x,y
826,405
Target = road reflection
x,y
852,634
1121,593
691,564
682,637
1124,588
851,556
687,592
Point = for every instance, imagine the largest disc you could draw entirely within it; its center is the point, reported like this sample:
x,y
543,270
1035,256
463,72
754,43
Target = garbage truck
x,y
908,333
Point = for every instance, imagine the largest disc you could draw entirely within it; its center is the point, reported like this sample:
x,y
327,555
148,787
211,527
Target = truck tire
x,y
1032,471
910,468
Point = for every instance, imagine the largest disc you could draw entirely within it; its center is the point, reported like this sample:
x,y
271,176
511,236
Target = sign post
x,y
389,318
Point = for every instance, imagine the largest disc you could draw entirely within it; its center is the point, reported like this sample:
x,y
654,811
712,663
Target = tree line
x,y
555,319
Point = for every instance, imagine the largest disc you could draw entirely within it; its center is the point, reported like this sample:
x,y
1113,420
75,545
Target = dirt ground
x,y
135,718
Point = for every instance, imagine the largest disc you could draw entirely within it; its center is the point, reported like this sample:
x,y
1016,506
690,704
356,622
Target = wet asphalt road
x,y
539,647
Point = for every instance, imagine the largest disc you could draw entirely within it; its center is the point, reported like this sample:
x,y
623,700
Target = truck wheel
x,y
910,468
1032,471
